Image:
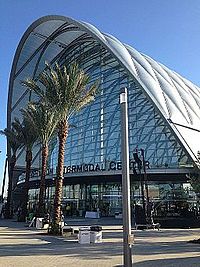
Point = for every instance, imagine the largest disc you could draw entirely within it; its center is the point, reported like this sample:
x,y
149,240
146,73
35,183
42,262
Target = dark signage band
x,y
111,166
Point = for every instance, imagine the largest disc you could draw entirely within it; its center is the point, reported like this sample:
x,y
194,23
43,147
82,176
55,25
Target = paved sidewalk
x,y
21,246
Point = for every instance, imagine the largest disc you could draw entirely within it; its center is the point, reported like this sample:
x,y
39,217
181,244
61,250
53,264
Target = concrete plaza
x,y
22,246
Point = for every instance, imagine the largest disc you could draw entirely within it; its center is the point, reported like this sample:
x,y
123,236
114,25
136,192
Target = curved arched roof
x,y
176,98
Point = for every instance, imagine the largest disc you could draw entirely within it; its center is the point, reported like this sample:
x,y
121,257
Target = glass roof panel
x,y
56,46
36,38
67,37
22,104
49,54
17,93
30,46
27,72
48,27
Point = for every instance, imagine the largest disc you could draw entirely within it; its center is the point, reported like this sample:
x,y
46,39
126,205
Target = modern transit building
x,y
164,120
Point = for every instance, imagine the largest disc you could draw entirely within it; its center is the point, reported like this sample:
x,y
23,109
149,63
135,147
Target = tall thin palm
x,y
68,90
44,120
29,137
14,139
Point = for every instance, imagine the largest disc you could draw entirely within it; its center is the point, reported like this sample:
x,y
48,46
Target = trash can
x,y
67,230
96,234
39,223
84,235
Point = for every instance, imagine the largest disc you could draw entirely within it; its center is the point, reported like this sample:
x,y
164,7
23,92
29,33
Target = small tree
x,y
14,139
68,91
29,137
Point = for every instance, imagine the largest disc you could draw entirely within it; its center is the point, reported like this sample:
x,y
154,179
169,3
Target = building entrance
x,y
169,199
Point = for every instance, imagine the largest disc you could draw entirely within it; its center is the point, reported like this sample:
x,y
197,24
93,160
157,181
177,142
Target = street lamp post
x,y
127,237
145,176
140,164
4,179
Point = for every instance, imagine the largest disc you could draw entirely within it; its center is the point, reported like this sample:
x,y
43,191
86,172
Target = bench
x,y
148,226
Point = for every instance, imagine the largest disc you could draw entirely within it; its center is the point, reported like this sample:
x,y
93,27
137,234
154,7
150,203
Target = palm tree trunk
x,y
41,205
9,205
62,136
26,185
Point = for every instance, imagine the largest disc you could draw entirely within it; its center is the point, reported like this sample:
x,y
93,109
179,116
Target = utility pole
x,y
127,237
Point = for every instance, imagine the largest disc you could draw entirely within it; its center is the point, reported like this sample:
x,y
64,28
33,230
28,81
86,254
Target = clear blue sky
x,y
168,31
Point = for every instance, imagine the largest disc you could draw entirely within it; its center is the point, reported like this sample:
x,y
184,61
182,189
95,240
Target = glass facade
x,y
95,139
93,147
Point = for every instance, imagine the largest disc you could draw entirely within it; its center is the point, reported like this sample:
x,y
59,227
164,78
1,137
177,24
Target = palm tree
x,y
44,120
68,91
29,137
15,142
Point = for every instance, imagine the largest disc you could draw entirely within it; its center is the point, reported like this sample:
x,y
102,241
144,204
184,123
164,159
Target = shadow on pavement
x,y
15,239
180,262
